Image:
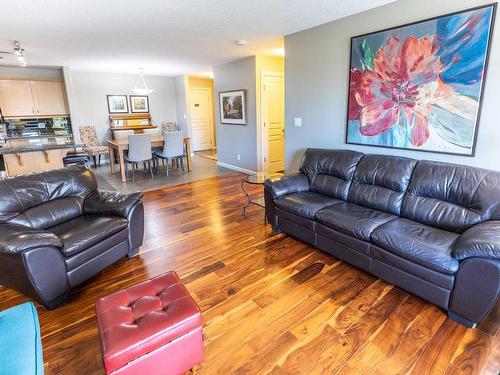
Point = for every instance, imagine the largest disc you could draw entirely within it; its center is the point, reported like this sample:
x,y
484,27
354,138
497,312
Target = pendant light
x,y
140,87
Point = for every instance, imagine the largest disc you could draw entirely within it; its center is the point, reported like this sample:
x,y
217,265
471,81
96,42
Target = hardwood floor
x,y
270,303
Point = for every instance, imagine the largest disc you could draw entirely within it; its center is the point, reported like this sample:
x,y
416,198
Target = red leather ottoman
x,y
150,328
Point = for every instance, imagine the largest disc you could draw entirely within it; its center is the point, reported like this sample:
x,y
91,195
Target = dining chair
x,y
122,134
169,127
139,151
155,132
173,149
88,136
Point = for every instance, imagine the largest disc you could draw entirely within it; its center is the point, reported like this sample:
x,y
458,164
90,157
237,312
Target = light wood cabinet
x,y
49,97
16,98
32,98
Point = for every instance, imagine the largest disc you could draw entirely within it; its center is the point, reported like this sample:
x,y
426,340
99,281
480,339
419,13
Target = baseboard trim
x,y
235,168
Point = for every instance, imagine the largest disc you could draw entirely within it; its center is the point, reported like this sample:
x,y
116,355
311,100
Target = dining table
x,y
121,145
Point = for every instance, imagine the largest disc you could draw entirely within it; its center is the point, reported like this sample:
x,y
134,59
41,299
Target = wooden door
x,y
15,98
49,98
201,119
273,105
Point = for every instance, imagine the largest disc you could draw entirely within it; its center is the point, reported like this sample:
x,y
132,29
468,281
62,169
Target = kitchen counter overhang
x,y
35,155
37,147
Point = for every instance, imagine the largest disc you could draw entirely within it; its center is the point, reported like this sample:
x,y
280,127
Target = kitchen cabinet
x,y
16,98
32,98
49,98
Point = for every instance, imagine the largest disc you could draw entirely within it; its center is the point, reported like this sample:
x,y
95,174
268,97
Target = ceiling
x,y
165,37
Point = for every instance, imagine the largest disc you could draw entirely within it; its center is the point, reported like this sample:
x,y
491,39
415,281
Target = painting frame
x,y
133,105
471,151
112,106
241,113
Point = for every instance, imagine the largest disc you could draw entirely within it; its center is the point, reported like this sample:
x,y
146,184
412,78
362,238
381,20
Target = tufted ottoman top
x,y
144,317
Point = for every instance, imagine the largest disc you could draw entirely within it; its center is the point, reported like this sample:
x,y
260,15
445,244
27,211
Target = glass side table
x,y
256,179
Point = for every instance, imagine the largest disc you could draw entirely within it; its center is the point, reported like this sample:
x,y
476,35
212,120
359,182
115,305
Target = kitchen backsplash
x,y
39,127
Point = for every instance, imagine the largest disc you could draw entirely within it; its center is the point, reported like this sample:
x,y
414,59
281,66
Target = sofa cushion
x,y
84,231
19,193
425,245
452,197
304,222
380,182
351,219
330,171
305,204
50,213
93,252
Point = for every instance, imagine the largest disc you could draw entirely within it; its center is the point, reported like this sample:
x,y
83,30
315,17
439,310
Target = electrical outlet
x,y
238,156
298,121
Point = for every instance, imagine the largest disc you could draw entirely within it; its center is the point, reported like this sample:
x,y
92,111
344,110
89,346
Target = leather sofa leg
x,y
459,319
57,301
276,229
133,252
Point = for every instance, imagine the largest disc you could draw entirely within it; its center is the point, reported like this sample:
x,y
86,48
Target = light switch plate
x,y
298,121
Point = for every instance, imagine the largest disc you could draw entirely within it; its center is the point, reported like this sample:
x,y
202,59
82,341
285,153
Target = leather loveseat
x,y
57,230
430,228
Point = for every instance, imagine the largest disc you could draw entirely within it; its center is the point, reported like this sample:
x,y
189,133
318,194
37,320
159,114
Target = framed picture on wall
x,y
233,107
117,103
139,104
419,86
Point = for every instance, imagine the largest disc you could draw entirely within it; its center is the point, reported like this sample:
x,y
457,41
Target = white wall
x,y
316,75
88,98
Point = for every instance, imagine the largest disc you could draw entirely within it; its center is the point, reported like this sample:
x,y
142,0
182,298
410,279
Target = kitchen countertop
x,y
36,145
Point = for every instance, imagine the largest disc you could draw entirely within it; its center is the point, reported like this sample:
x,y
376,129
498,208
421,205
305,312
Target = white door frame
x,y
263,145
210,105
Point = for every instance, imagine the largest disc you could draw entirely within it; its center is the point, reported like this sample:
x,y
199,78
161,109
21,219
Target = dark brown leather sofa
x,y
57,230
430,228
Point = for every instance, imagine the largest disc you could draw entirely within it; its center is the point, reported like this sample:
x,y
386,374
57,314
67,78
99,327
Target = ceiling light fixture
x,y
141,88
241,42
19,52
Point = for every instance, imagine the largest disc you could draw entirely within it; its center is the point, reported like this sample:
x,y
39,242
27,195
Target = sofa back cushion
x,y
330,171
50,213
37,198
452,197
380,182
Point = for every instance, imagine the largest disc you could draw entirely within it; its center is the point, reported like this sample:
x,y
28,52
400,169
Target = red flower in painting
x,y
401,88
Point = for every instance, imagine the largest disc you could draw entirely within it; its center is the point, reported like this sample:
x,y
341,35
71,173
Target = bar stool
x,y
77,158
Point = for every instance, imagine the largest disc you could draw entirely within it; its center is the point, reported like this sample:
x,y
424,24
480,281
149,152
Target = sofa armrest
x,y
111,203
16,239
481,240
288,184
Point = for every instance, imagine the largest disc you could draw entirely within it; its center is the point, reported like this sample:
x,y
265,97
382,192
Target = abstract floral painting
x,y
419,86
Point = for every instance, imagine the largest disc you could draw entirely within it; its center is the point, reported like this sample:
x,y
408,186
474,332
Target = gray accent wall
x,y
316,79
181,104
237,139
